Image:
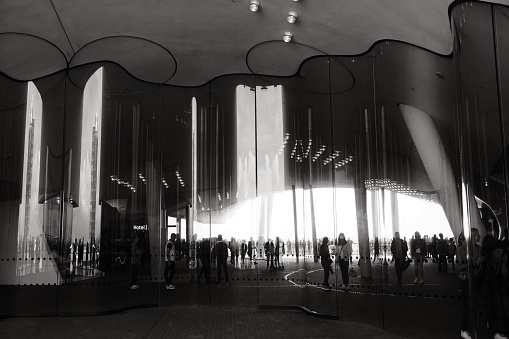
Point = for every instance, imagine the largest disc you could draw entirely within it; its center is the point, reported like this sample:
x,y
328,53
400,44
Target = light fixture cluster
x,y
254,6
331,157
283,145
393,186
319,152
165,183
177,174
294,154
140,175
308,149
123,183
343,162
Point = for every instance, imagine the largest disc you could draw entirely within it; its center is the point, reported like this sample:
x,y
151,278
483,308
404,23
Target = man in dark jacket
x,y
443,251
222,256
325,261
399,251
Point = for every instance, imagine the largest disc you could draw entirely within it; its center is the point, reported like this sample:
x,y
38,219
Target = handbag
x,y
407,263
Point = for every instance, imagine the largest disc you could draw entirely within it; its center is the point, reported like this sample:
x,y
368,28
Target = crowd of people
x,y
481,266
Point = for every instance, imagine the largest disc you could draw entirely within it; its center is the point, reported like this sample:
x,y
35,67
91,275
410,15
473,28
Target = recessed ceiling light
x,y
292,17
254,5
287,37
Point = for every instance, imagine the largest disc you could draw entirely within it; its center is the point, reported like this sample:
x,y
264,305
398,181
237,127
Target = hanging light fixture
x,y
292,17
254,5
287,37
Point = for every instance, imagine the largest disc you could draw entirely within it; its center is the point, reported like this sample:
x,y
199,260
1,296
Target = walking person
x,y
399,251
325,261
222,256
136,252
343,254
169,259
418,253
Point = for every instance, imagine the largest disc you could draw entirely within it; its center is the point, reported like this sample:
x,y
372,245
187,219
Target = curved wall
x,y
267,162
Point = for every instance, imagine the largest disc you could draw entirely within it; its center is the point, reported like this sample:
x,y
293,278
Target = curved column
x,y
438,167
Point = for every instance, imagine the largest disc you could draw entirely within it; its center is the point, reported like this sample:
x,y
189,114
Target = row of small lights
x,y
343,162
293,154
285,141
319,152
254,6
124,183
331,157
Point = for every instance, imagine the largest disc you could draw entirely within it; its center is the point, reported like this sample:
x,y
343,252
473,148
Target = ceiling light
x,y
287,37
292,17
254,5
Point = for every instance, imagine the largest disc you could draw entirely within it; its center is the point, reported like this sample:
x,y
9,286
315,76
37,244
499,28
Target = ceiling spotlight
x,y
254,5
292,17
287,37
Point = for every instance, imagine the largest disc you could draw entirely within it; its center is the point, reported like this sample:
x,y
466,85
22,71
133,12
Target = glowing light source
x,y
292,17
254,5
287,37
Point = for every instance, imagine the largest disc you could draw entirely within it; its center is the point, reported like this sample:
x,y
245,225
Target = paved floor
x,y
377,305
190,322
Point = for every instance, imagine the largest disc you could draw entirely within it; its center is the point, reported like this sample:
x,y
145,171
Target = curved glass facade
x,y
364,160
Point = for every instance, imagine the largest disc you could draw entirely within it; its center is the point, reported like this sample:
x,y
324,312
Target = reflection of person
x,y
136,252
80,254
399,251
377,249
221,250
326,261
463,268
169,259
343,254
495,295
205,260
443,251
276,253
418,253
243,251
250,250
